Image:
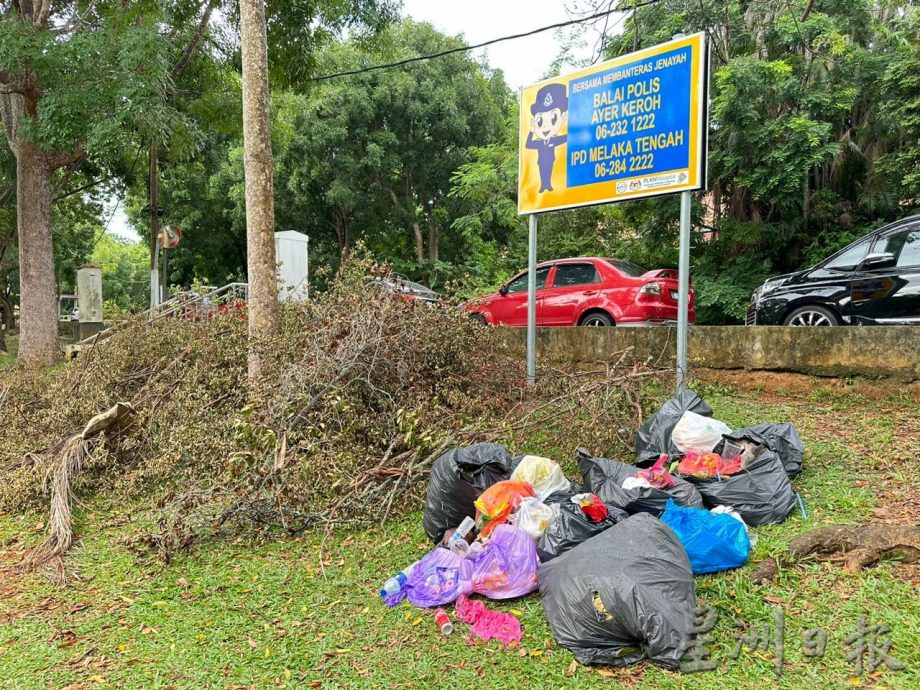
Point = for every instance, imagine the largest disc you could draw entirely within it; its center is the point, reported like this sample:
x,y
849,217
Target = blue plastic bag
x,y
713,542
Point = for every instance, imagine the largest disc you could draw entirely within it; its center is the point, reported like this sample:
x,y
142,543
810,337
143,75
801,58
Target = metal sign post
x,y
683,291
532,302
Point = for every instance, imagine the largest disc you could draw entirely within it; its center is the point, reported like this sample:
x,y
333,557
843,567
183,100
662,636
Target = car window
x,y
626,268
850,258
575,274
905,246
519,284
910,253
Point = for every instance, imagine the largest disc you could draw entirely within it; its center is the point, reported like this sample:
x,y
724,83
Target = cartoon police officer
x,y
548,113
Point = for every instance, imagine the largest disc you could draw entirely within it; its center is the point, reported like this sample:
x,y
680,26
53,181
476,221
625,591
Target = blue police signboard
x,y
631,127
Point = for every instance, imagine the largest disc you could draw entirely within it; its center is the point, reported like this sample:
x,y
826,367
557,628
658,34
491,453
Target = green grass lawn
x,y
9,357
269,614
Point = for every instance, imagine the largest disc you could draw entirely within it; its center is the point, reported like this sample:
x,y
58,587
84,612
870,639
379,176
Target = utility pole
x,y
154,229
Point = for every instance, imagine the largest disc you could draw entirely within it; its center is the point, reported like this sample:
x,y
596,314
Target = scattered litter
x,y
457,478
442,620
654,436
622,596
544,475
486,623
694,432
533,516
606,479
496,504
713,541
397,583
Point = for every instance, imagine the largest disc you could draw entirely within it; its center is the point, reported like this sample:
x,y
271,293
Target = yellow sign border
x,y
605,192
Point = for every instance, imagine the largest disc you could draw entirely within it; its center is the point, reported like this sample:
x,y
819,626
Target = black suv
x,y
875,280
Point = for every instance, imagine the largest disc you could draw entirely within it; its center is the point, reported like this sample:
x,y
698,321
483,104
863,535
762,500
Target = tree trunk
x,y
419,242
433,241
264,311
38,310
341,221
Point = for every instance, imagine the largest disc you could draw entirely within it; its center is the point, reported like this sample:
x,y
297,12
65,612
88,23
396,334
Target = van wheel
x,y
811,315
596,319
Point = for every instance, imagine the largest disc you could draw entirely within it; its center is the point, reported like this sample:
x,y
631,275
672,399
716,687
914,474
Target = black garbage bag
x,y
622,596
571,526
654,436
761,492
605,478
781,438
457,478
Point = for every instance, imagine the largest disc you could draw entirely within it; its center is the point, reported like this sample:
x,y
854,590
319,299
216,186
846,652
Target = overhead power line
x,y
463,49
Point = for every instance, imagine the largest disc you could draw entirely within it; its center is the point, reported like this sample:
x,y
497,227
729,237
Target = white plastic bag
x,y
631,483
533,516
543,474
697,433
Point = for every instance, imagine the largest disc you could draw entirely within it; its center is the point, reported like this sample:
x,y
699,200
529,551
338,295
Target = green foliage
x,y
125,274
94,85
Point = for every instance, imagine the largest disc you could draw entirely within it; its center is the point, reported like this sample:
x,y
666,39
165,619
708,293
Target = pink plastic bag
x,y
488,624
657,475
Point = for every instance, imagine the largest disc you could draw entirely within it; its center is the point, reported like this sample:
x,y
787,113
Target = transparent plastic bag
x,y
694,432
544,475
533,517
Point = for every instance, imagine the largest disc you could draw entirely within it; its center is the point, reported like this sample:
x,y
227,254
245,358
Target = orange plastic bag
x,y
496,504
708,465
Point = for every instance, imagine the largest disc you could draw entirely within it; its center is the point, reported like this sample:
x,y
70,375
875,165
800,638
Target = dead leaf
x,y
774,600
571,668
606,672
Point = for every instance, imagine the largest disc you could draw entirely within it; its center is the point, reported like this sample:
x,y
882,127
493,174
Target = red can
x,y
443,622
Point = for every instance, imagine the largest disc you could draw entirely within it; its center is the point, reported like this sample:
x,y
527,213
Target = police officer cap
x,y
550,97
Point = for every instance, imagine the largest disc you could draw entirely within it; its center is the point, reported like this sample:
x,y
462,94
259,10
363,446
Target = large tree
x,y
371,156
74,76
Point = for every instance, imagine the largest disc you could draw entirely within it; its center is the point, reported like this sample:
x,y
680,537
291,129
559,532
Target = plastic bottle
x,y
397,582
457,542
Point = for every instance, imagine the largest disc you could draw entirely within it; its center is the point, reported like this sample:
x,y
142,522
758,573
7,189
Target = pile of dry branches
x,y
364,390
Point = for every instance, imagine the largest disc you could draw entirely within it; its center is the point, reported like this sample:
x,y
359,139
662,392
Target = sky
x,y
524,61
